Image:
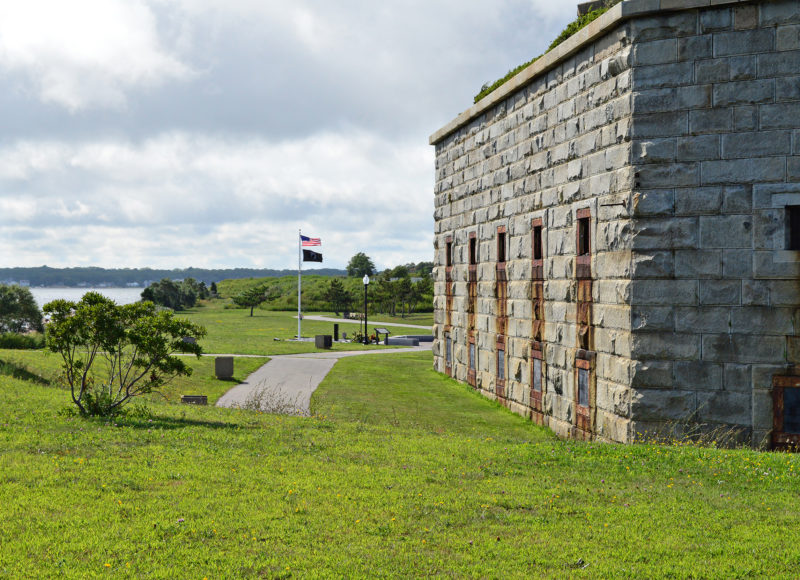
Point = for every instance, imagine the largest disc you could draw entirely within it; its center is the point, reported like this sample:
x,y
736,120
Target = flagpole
x,y
299,283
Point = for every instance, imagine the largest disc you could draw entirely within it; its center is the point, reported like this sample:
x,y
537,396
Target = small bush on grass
x,y
135,341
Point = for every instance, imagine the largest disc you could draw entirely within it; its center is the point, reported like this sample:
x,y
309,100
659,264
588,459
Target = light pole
x,y
366,332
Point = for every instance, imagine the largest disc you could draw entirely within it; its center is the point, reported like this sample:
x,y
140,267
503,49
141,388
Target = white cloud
x,y
221,201
85,53
307,114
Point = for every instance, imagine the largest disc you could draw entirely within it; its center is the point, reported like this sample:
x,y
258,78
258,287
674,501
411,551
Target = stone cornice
x,y
620,13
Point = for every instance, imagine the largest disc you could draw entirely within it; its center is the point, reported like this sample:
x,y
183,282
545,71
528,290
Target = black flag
x,y
311,256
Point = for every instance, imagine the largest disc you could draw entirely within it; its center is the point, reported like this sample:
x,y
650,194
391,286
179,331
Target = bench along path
x,y
294,377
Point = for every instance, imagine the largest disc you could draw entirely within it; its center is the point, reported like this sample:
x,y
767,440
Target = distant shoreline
x,y
121,295
44,276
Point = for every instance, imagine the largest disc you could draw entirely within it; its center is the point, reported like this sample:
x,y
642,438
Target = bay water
x,y
118,295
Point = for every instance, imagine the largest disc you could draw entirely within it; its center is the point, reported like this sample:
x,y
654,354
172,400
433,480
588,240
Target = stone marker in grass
x,y
223,367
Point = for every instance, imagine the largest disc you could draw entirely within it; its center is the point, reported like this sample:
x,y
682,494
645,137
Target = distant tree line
x,y
402,290
71,277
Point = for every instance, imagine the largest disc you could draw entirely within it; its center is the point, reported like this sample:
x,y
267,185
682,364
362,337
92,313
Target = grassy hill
x,y
314,290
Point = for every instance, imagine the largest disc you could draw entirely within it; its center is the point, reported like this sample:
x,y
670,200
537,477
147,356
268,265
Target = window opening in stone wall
x,y
501,364
501,246
583,266
537,375
537,242
448,288
583,387
786,412
584,247
791,411
472,361
584,396
793,227
449,253
473,250
448,350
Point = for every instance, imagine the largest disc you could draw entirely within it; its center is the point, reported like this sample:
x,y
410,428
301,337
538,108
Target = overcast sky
x,y
177,133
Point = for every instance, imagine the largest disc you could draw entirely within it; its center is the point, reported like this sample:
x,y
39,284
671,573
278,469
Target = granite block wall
x,y
673,134
714,129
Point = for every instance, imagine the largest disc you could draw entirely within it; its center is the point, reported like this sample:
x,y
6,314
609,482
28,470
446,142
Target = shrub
x,y
134,345
21,341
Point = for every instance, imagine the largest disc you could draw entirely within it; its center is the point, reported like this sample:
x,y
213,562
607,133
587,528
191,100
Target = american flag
x,y
306,241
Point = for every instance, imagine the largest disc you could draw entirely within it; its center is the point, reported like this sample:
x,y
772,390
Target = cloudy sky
x,y
176,133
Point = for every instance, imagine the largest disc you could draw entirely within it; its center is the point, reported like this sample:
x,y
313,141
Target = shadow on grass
x,y
20,372
155,422
143,418
171,423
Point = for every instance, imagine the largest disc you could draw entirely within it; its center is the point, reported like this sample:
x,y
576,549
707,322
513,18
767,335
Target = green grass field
x,y
401,473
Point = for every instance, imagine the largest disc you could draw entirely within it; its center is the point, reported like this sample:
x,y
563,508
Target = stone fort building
x,y
617,228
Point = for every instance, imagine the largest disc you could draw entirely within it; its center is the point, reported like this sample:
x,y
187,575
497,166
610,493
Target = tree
x,y
175,295
112,353
422,269
251,298
404,290
399,272
164,293
203,292
339,298
360,265
423,291
18,310
384,296
213,289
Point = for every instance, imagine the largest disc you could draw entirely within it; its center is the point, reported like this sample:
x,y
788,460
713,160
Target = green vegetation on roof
x,y
571,29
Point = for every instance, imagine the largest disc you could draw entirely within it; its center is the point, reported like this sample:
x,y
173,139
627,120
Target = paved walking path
x,y
356,321
294,377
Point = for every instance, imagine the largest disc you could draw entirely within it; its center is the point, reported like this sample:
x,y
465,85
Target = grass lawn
x,y
402,472
235,331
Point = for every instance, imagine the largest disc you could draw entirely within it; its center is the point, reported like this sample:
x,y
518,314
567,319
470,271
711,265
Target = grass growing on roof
x,y
572,28
469,491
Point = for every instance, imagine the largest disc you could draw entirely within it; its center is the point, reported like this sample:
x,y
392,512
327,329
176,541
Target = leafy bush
x,y
21,341
135,341
176,295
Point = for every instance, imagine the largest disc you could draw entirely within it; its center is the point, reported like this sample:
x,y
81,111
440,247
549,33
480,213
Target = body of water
x,y
118,295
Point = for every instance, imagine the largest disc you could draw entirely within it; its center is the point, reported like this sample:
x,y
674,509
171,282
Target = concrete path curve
x,y
285,384
350,321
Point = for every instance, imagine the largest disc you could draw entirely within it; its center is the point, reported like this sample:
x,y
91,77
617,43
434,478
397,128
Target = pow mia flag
x,y
311,256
